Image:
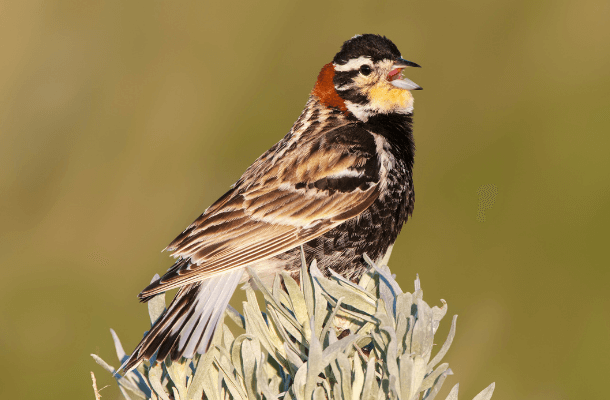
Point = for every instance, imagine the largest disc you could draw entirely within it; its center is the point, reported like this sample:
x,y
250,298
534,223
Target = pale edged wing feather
x,y
271,210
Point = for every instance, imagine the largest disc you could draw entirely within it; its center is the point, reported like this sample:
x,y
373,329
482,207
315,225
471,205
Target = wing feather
x,y
266,214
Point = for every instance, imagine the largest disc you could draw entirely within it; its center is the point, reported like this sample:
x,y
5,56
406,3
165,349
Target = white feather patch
x,y
354,64
209,305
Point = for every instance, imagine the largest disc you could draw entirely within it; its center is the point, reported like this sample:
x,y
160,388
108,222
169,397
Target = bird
x,y
337,186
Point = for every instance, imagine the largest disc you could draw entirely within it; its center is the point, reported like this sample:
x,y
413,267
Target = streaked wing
x,y
278,205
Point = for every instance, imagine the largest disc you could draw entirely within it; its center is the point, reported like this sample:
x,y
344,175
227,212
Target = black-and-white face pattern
x,y
368,77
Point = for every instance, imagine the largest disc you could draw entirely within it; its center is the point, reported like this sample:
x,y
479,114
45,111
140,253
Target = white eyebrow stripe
x,y
354,64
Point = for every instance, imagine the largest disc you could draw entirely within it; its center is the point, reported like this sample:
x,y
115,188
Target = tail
x,y
188,324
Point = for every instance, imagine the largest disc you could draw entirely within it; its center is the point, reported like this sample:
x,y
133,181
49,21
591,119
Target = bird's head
x,y
365,78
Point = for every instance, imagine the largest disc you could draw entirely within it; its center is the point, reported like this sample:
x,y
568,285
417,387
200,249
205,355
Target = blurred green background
x,y
121,121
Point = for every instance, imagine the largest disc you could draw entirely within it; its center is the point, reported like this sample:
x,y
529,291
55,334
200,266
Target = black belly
x,y
371,233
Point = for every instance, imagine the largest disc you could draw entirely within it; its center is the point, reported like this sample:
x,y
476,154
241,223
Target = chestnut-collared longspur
x,y
339,184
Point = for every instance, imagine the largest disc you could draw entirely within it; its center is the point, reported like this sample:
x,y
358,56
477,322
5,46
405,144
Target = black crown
x,y
376,47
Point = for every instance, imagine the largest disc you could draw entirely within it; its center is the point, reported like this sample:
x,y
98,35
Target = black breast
x,y
376,229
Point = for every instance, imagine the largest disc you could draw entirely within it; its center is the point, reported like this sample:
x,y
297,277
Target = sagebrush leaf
x,y
322,338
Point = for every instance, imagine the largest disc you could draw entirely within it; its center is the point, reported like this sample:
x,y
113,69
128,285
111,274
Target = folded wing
x,y
278,205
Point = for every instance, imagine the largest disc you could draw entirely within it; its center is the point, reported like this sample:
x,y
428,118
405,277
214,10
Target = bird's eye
x,y
365,69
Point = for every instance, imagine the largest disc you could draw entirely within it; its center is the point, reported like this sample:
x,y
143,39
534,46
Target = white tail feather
x,y
211,303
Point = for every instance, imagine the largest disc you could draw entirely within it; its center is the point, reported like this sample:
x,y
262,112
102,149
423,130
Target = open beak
x,y
396,79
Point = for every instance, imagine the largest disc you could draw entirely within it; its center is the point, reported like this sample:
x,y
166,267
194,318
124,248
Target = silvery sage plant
x,y
321,338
